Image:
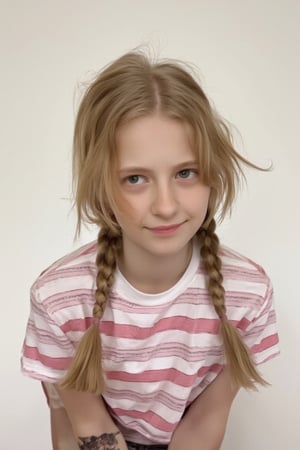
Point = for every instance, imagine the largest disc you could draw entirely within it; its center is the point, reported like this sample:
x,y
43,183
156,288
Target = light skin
x,y
160,203
158,184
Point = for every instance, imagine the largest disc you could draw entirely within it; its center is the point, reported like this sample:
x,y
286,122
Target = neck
x,y
153,274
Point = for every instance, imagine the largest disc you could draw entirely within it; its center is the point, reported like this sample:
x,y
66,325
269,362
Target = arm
x,y
90,421
61,430
203,426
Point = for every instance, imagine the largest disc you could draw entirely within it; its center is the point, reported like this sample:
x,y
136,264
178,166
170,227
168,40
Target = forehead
x,y
154,140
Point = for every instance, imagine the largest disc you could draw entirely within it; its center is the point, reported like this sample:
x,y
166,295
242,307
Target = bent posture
x,y
143,337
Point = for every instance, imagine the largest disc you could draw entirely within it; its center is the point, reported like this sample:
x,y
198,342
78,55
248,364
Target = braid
x,y
85,372
237,355
106,261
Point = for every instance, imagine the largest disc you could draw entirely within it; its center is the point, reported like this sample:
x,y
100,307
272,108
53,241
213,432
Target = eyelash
x,y
127,179
190,171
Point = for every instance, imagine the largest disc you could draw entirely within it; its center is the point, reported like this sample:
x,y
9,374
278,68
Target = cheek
x,y
121,205
200,199
127,211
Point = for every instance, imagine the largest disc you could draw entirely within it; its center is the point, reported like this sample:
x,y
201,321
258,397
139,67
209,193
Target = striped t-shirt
x,y
160,351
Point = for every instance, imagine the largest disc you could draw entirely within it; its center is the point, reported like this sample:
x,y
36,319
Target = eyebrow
x,y
138,169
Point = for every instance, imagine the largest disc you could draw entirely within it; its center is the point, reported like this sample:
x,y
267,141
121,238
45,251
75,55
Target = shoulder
x,y
235,261
237,267
73,272
246,283
250,304
61,302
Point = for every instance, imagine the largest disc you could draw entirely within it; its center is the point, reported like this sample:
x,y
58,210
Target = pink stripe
x,y
170,401
44,337
53,363
243,274
170,323
171,375
267,342
179,323
144,354
242,324
72,272
267,358
134,332
67,299
149,417
77,325
89,249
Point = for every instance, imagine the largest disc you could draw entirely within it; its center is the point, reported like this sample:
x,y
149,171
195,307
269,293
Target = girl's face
x,y
160,199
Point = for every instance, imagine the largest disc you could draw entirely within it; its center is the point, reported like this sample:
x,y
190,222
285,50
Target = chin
x,y
167,248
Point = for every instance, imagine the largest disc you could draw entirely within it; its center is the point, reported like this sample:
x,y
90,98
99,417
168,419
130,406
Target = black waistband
x,y
135,446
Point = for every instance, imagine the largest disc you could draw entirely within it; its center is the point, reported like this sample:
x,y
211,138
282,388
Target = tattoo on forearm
x,y
107,441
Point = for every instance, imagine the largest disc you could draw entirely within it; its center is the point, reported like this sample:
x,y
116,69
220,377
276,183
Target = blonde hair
x,y
131,87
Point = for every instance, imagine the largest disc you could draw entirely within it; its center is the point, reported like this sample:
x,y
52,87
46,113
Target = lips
x,y
165,229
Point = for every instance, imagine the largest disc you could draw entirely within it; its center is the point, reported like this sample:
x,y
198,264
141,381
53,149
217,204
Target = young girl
x,y
143,338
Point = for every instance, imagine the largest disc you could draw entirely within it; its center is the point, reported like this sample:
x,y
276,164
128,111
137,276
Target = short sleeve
x,y
47,351
261,335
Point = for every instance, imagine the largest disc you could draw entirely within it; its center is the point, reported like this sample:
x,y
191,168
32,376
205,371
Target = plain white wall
x,y
248,56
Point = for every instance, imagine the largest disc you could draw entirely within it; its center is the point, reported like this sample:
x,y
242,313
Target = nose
x,y
164,202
